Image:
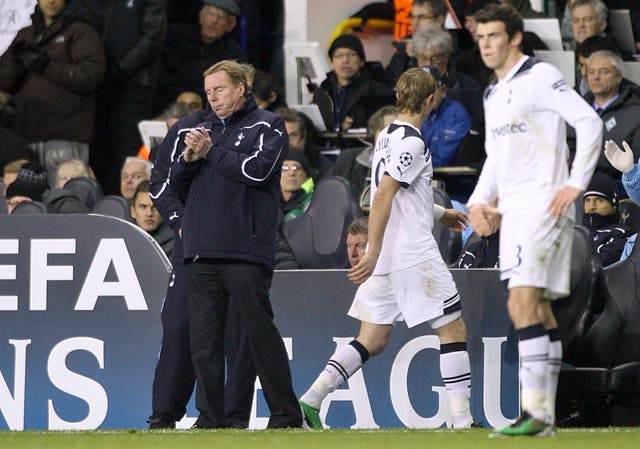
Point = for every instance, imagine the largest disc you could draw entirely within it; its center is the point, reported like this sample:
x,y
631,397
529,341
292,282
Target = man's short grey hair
x,y
598,6
616,61
433,37
147,164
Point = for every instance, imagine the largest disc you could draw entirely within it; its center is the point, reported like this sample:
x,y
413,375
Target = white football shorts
x,y
422,293
536,252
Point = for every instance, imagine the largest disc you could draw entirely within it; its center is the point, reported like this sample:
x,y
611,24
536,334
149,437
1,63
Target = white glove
x,y
621,159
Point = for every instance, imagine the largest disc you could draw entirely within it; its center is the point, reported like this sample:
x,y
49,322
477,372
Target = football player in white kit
x,y
526,108
402,274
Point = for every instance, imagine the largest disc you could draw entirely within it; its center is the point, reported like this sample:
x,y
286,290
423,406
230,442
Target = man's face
x,y
190,98
470,24
292,176
433,58
52,8
215,23
356,247
296,138
422,15
145,213
603,80
224,97
597,205
347,64
13,202
585,23
582,65
495,45
133,173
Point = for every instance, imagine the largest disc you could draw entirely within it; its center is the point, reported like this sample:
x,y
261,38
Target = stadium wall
x,y
80,301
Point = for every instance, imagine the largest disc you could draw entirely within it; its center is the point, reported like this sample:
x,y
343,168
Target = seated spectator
x,y
602,218
147,217
524,9
354,164
583,50
348,96
423,13
446,126
190,49
29,185
470,62
32,184
134,171
73,169
54,67
433,47
191,99
357,239
299,129
296,185
588,18
617,103
10,172
267,91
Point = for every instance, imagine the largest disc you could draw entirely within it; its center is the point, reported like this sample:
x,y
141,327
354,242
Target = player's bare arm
x,y
378,219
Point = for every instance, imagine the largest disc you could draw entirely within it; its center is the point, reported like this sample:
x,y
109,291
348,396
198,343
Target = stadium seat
x,y
605,389
87,190
449,241
113,206
29,207
318,236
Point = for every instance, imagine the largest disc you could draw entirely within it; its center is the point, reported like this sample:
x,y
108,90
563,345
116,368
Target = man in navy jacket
x,y
228,171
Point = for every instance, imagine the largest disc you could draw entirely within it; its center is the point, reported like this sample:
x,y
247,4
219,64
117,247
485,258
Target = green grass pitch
x,y
606,438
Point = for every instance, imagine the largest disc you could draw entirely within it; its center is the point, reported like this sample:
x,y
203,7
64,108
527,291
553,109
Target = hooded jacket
x,y
58,103
233,202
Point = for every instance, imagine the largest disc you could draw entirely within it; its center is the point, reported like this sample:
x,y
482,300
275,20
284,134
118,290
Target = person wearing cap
x,y
602,218
348,96
30,185
446,125
189,49
296,184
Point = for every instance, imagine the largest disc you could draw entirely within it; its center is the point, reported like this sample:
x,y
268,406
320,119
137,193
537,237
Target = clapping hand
x,y
621,159
198,143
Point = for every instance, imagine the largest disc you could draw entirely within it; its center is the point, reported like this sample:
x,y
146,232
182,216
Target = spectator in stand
x,y
348,96
602,218
588,18
300,131
296,184
54,67
190,49
10,172
134,171
433,47
133,33
447,124
357,239
32,184
470,61
423,13
267,91
354,164
524,9
147,217
583,50
616,101
191,99
74,168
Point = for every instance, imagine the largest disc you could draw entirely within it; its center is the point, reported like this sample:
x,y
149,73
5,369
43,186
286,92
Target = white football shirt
x,y
400,152
527,154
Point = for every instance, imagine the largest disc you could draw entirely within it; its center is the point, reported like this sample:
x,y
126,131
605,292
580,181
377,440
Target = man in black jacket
x,y
190,49
228,171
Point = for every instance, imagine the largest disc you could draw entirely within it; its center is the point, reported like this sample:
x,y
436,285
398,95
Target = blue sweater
x,y
444,130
